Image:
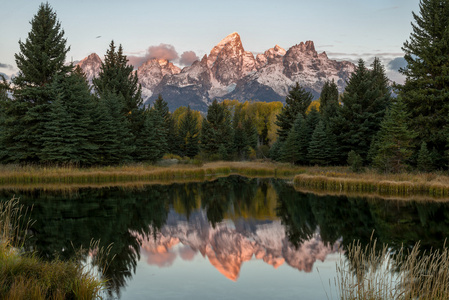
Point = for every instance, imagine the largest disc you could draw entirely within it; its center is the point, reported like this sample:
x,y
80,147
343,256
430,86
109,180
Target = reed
x,y
372,273
371,183
25,276
38,175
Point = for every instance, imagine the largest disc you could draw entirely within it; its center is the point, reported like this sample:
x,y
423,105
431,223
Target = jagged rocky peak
x,y
275,54
232,43
303,49
152,71
91,66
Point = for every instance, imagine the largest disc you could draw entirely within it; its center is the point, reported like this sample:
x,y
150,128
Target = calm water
x,y
230,238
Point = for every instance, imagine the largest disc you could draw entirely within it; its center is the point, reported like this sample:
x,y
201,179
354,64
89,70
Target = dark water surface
x,y
229,238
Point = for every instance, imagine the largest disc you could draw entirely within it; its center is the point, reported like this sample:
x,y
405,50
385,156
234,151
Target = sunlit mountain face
x,y
229,244
231,72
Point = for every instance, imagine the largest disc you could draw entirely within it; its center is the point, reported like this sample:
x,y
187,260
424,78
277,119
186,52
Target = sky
x,y
345,29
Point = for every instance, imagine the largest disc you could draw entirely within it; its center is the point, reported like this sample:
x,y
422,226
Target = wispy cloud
x,y
162,51
6,66
4,75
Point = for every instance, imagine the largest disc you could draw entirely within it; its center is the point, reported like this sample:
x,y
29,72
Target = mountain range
x,y
230,72
227,246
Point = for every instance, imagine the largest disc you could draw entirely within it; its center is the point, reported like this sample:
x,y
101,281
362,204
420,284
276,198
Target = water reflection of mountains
x,y
66,222
229,244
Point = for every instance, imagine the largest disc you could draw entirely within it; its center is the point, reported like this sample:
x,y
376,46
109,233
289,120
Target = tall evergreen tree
x,y
394,139
148,147
426,88
114,141
216,132
72,93
297,101
365,100
158,125
291,151
189,134
118,77
41,58
424,161
172,137
329,101
58,138
321,150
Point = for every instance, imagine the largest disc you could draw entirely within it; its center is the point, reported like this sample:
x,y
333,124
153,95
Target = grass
x,y
371,183
371,273
339,180
25,276
38,175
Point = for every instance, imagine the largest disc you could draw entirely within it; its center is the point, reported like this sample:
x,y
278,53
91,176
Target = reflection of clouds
x,y
161,259
187,253
227,248
158,252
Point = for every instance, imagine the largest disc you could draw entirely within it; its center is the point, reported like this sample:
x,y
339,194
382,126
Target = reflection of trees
x,y
64,224
119,216
396,223
295,213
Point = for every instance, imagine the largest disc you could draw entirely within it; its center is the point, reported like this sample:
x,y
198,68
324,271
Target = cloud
x,y
187,253
188,58
6,66
4,75
397,63
163,51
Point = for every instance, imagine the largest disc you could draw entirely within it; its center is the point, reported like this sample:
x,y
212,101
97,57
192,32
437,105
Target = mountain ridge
x,y
231,72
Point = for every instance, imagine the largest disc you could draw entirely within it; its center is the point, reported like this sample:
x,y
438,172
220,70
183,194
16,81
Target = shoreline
x,y
330,180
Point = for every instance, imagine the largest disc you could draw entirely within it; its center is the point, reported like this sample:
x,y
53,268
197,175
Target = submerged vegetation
x,y
25,276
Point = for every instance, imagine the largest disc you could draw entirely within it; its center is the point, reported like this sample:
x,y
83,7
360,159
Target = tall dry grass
x,y
406,184
376,273
40,175
24,276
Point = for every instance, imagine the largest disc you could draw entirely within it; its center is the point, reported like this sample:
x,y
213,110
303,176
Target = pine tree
x,y
158,125
426,88
118,77
148,147
424,159
41,58
364,103
320,149
394,140
172,139
189,134
291,150
329,101
251,132
297,101
241,146
216,131
112,136
74,93
58,138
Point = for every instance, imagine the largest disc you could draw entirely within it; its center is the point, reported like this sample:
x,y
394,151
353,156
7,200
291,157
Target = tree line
x,y
51,114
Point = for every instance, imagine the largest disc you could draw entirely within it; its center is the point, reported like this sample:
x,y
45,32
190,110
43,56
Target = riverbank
x,y
13,174
334,180
372,183
25,276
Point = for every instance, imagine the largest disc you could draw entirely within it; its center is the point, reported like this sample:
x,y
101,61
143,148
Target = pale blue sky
x,y
344,29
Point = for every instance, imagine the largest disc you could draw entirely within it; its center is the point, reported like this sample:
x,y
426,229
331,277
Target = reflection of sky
x,y
193,260
198,279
